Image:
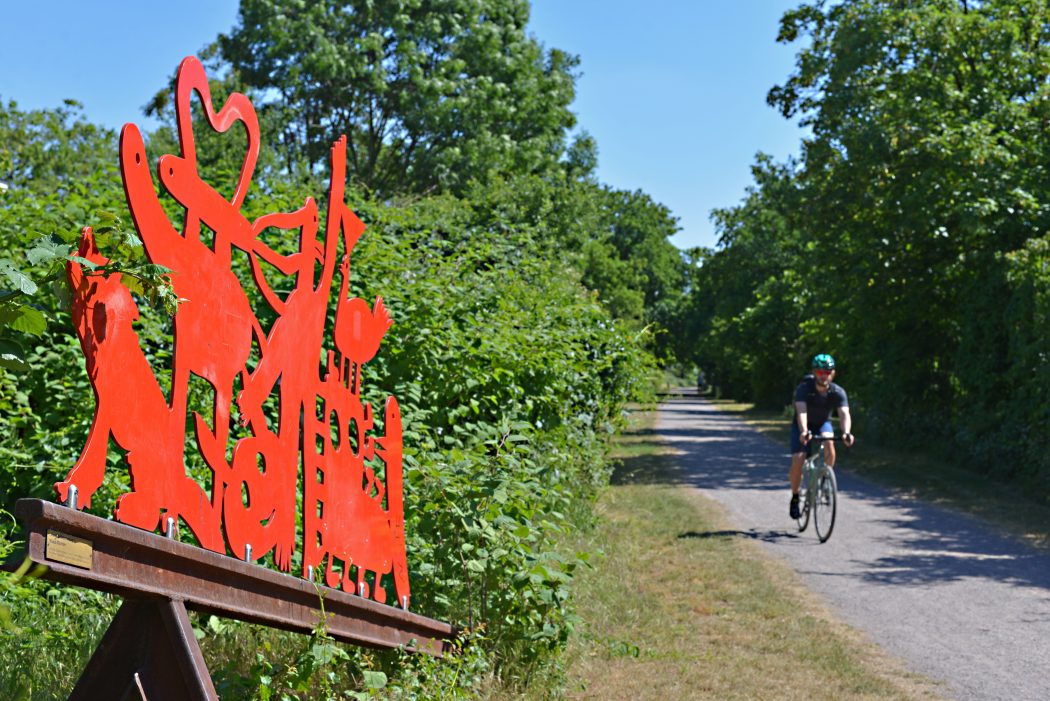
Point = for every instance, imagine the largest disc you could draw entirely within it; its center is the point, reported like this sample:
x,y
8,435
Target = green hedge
x,y
511,378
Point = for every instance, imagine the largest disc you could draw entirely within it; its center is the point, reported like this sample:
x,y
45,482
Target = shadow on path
x,y
766,536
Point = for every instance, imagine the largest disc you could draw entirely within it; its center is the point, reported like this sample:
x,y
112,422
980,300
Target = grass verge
x,y
673,610
1005,506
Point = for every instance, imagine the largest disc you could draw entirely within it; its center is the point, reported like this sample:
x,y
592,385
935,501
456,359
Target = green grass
x,y
1006,506
674,610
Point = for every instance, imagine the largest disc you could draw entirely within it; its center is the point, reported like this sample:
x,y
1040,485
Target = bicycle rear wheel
x,y
824,504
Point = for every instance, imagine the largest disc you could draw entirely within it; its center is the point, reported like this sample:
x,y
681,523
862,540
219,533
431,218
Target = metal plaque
x,y
69,550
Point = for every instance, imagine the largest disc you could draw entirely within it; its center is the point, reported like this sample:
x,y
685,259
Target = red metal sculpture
x,y
353,520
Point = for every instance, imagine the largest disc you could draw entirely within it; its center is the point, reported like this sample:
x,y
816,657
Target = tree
x,y
929,155
431,93
751,296
44,150
632,264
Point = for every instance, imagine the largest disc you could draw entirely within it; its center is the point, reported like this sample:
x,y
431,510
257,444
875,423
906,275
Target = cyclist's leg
x,y
795,475
799,453
829,446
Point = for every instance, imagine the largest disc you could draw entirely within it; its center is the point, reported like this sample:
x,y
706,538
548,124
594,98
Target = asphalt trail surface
x,y
955,600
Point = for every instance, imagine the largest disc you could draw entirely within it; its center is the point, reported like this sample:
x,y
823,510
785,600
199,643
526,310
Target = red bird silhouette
x,y
358,328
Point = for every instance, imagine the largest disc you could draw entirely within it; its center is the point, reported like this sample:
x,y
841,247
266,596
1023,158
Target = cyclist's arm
x,y
801,411
846,422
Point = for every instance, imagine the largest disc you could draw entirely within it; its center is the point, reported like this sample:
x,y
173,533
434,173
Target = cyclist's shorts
x,y
796,437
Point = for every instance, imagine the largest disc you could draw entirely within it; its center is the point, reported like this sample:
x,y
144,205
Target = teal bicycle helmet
x,y
823,362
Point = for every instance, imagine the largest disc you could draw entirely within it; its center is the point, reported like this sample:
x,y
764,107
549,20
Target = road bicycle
x,y
819,493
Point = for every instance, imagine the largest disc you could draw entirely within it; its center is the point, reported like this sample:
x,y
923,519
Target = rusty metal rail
x,y
86,550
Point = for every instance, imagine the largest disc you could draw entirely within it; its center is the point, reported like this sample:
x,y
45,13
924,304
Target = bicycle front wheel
x,y
824,504
803,507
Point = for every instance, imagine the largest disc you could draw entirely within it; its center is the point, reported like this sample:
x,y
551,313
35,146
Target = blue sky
x,y
673,90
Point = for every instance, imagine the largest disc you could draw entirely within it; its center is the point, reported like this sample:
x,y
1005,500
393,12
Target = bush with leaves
x,y
511,378
510,374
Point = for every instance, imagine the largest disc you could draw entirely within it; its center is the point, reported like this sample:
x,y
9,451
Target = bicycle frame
x,y
813,466
820,492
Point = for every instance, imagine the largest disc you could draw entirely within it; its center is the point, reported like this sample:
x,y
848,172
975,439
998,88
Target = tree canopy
x,y
908,239
431,93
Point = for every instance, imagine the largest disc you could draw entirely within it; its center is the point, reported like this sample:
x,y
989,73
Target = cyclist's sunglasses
x,y
822,373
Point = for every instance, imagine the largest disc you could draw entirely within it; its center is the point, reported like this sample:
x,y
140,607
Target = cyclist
x,y
815,398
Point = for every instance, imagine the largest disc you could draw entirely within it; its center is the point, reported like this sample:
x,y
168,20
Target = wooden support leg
x,y
149,653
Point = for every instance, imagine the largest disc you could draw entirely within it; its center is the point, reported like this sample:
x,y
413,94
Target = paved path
x,y
939,590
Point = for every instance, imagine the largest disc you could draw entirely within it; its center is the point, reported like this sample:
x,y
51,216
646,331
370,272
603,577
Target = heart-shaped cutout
x,y
191,78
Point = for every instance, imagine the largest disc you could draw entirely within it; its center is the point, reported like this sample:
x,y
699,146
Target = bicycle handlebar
x,y
817,438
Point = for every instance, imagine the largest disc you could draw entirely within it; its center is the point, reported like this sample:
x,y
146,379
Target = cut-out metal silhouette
x,y
294,389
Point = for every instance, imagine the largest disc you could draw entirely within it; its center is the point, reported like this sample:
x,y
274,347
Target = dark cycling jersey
x,y
819,406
